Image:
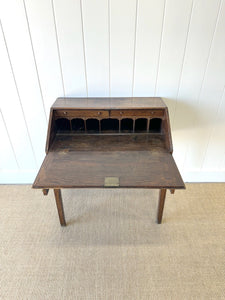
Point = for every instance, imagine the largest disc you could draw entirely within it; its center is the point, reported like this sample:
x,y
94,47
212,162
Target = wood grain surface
x,y
139,160
109,103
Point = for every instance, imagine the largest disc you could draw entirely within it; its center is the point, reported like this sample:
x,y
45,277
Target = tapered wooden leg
x,y
59,204
162,196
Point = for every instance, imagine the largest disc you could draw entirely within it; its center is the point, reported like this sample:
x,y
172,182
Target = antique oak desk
x,y
108,142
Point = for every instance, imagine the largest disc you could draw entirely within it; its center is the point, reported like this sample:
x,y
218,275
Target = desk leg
x,y
162,196
59,204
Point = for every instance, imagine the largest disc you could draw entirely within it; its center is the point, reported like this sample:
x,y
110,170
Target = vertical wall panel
x,y
7,157
215,152
149,30
96,41
200,36
175,34
13,114
41,21
122,37
169,48
209,98
69,30
19,46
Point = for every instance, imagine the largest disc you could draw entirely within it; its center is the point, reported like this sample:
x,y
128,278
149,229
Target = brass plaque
x,y
111,181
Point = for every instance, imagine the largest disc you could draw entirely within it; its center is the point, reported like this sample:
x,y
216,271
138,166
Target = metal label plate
x,y
111,182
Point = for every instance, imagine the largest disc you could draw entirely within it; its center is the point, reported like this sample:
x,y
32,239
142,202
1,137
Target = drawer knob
x,y
121,113
152,112
99,113
65,112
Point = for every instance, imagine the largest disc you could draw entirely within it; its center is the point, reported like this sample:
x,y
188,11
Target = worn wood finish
x,y
167,131
59,204
64,113
156,113
51,131
162,197
102,142
102,108
109,103
139,160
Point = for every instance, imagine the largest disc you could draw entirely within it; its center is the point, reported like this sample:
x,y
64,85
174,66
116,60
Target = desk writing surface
x,y
82,161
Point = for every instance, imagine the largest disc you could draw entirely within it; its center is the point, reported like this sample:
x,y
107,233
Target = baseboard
x,y
17,177
204,176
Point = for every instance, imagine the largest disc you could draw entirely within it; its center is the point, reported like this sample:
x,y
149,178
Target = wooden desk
x,y
108,142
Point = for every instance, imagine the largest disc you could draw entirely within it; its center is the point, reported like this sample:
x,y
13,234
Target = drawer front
x,y
153,113
81,113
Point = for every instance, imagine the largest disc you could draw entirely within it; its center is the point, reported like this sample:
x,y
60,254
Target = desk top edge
x,y
109,103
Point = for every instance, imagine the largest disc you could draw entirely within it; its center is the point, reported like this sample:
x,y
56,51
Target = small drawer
x,y
155,113
81,113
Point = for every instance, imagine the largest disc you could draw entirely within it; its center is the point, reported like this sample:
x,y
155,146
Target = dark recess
x,y
155,125
141,125
78,124
109,125
62,124
92,125
127,125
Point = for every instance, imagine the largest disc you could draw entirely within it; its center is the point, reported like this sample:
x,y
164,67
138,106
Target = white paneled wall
x,y
169,48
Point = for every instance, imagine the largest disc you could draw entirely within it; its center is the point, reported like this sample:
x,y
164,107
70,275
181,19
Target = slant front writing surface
x,y
85,160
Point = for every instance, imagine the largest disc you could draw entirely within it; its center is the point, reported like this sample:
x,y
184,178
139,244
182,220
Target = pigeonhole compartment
x,y
155,125
141,125
110,125
127,125
78,125
92,125
62,124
